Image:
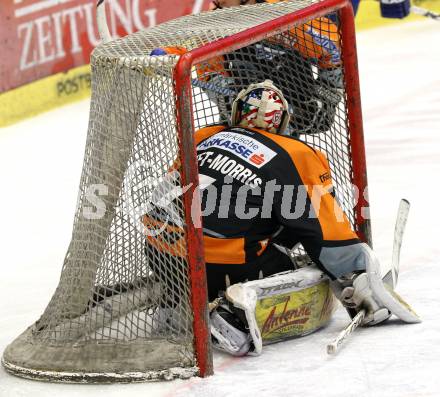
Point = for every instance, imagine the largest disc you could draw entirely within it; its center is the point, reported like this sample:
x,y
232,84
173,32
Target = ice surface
x,y
40,165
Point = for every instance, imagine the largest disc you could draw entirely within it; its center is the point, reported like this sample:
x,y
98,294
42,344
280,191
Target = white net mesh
x,y
122,309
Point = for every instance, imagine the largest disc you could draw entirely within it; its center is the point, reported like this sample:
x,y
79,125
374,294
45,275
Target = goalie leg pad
x,y
283,306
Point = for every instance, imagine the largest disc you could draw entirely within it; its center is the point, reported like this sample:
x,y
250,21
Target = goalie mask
x,y
263,106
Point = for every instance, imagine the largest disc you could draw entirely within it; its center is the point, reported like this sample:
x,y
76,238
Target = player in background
x,y
256,185
388,8
305,61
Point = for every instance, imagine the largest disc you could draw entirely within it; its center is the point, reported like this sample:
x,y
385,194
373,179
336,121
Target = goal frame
x,y
189,171
75,340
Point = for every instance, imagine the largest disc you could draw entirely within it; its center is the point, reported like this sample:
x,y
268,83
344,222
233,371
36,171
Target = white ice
x,y
40,164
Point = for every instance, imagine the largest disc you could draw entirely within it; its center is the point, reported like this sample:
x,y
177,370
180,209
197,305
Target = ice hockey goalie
x,y
262,194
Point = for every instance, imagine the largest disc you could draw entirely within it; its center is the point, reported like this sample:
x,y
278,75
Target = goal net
x,y
131,302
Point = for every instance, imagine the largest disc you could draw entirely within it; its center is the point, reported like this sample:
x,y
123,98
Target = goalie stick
x,y
425,13
333,347
101,19
390,278
402,216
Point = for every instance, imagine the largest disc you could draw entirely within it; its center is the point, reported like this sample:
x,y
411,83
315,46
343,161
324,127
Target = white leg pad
x,y
284,306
